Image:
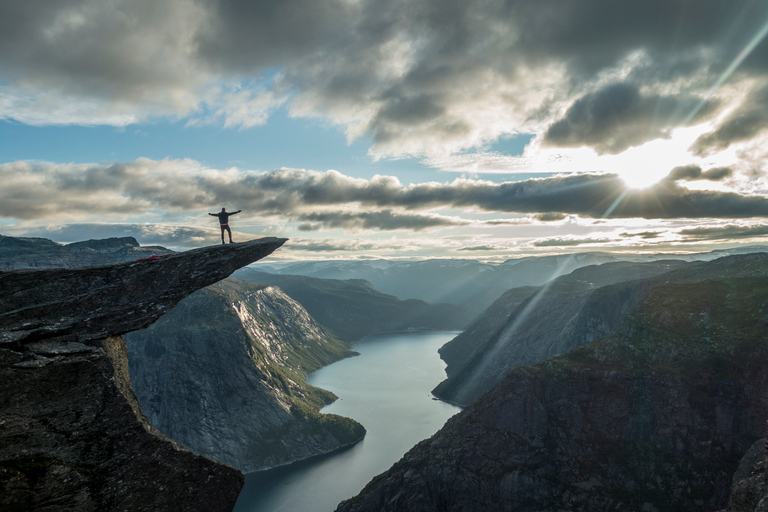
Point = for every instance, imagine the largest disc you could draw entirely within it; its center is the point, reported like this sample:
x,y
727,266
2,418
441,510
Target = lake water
x,y
387,389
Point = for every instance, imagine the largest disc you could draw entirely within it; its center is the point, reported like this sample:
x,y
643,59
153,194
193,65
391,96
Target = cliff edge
x,y
72,435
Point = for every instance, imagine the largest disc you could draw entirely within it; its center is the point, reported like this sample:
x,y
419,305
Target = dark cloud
x,y
568,242
618,117
311,245
694,173
749,120
49,191
482,248
643,234
247,35
724,232
412,75
549,217
384,220
130,54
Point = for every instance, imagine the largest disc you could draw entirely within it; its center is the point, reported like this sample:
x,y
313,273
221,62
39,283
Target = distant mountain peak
x,y
105,244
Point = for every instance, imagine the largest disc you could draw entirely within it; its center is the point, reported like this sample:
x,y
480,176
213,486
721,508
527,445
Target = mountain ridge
x,y
655,416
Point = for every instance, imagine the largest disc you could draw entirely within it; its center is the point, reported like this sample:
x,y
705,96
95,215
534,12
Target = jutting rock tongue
x,y
72,435
89,304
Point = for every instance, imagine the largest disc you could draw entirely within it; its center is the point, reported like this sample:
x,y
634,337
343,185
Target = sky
x,y
399,129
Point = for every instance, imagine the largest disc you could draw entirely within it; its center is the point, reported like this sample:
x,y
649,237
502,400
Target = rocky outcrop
x,y
224,373
749,492
353,309
36,253
72,436
653,417
525,327
88,304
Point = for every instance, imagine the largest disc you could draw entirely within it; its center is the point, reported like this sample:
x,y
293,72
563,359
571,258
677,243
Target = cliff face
x,y
224,373
91,303
72,436
526,326
654,417
353,309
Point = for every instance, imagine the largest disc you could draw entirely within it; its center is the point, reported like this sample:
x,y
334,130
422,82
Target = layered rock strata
x,y
654,417
72,436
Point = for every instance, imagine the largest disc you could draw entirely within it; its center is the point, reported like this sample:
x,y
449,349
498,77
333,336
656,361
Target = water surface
x,y
387,389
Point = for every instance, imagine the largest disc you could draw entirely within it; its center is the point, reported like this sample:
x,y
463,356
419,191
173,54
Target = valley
x,y
620,384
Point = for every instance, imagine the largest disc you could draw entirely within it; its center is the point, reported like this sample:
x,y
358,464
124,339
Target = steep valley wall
x,y
72,436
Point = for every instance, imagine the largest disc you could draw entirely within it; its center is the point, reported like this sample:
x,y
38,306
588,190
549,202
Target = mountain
x,y
472,284
231,344
654,417
32,253
353,309
72,435
224,374
526,325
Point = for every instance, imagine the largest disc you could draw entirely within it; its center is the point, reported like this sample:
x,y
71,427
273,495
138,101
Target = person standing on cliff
x,y
223,216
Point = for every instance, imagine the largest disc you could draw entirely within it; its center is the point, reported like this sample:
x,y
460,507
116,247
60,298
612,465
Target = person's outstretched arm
x,y
238,211
213,214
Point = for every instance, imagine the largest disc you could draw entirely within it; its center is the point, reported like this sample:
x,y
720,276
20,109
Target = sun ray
x,y
743,54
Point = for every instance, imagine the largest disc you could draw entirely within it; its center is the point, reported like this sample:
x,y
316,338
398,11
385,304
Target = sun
x,y
644,166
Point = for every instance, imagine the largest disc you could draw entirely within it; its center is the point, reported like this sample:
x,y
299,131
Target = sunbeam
x,y
756,39
506,336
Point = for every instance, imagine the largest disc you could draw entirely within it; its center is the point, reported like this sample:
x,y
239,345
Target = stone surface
x,y
749,492
72,435
224,373
653,417
525,327
88,304
569,312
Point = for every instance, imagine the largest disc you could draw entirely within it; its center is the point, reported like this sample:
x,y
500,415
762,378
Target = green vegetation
x,y
300,356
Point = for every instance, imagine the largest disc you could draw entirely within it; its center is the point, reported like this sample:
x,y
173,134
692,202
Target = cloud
x,y
694,173
100,62
549,217
619,116
384,220
335,245
418,78
66,192
642,234
746,122
569,242
724,232
483,248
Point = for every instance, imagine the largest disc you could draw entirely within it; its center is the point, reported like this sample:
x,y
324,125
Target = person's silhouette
x,y
223,216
